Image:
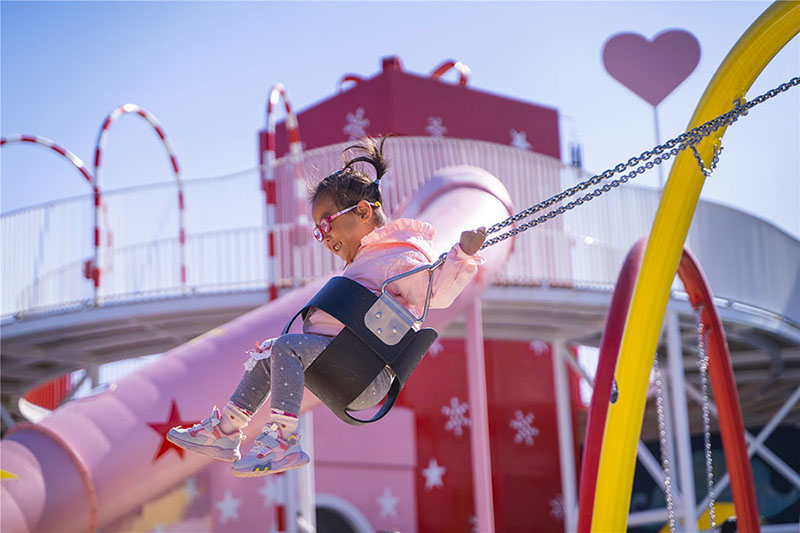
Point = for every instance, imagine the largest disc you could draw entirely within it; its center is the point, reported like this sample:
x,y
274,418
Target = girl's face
x,y
347,230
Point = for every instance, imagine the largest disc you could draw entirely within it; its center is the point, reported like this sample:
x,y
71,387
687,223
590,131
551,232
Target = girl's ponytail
x,y
374,156
349,185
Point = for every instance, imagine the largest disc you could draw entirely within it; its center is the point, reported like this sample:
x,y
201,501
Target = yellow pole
x,y
754,50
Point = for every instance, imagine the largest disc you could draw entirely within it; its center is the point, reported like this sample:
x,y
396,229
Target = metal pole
x,y
566,443
680,417
292,504
479,434
308,505
658,141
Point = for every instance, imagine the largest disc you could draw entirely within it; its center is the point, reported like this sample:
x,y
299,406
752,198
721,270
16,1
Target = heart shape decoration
x,y
651,69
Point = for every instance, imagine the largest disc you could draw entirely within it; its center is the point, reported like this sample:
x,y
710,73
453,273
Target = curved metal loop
x,y
424,268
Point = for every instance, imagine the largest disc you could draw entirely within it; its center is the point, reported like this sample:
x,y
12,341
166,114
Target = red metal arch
x,y
722,383
462,69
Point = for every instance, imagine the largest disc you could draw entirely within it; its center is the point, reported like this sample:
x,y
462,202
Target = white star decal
x,y
356,124
435,127
190,489
388,503
229,507
274,490
519,139
433,474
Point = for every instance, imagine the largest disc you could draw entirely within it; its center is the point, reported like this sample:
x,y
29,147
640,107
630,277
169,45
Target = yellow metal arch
x,y
754,50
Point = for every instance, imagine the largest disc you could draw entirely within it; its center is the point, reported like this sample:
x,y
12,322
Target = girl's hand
x,y
471,241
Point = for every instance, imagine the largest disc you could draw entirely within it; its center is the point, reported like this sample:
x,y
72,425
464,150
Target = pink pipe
x,y
95,459
479,415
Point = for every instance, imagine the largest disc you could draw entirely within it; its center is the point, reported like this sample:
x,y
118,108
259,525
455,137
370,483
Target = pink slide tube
x,y
95,459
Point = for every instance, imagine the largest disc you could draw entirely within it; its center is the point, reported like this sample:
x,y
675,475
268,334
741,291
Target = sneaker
x,y
207,438
271,454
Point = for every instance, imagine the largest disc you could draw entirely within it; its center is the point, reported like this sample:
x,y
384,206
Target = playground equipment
x,y
773,29
731,424
74,452
691,140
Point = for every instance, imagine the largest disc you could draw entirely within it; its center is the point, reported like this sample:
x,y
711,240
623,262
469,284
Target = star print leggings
x,y
283,371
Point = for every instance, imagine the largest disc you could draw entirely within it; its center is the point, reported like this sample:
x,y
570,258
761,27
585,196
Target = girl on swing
x,y
350,222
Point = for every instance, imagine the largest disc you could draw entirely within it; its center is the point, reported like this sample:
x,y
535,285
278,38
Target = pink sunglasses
x,y
324,226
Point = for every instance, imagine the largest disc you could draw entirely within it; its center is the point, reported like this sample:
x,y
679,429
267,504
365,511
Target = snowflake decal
x,y
435,128
356,124
519,139
436,348
557,507
525,431
539,348
456,414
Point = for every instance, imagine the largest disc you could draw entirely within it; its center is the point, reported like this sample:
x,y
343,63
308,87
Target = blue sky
x,y
204,69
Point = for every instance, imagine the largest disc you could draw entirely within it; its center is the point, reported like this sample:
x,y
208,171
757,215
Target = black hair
x,y
349,185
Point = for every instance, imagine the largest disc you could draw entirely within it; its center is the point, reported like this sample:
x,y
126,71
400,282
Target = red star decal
x,y
163,427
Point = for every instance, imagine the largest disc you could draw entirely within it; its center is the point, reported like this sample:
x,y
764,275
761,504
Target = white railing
x,y
746,259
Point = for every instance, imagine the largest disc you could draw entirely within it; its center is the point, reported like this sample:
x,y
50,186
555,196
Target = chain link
x,y
702,363
644,161
662,444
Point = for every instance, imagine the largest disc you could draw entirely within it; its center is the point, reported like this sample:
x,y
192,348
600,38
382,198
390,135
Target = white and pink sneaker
x,y
271,454
207,438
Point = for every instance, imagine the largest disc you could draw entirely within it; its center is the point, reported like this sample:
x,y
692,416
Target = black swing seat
x,y
356,355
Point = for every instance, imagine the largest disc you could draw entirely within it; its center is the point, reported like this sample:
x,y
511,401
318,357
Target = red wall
x,y
402,102
526,476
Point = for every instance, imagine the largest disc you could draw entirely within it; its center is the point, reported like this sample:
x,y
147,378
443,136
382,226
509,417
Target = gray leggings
x,y
291,355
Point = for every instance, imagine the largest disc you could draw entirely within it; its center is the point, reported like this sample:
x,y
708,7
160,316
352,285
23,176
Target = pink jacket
x,y
398,247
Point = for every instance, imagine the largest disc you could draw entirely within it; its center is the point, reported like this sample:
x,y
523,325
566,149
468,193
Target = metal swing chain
x,y
662,442
702,364
662,152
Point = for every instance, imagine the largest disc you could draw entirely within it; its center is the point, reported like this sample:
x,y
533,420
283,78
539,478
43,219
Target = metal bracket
x,y
389,320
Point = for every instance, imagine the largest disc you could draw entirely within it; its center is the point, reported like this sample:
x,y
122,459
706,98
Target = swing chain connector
x,y
707,172
638,165
388,319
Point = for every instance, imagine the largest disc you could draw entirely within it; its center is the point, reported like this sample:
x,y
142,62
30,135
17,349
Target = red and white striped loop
x,y
149,117
462,69
349,78
44,141
153,121
276,94
93,272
